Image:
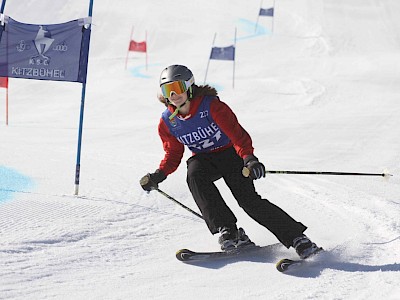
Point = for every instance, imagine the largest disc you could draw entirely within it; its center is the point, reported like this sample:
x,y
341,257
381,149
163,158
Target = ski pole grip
x,y
144,180
245,172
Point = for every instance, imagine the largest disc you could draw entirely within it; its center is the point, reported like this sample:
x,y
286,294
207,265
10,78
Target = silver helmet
x,y
177,79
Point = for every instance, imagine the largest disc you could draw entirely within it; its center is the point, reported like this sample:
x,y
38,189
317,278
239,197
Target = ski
x,y
287,264
187,255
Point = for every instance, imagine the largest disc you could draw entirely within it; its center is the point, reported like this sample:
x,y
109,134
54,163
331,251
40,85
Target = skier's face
x,y
178,99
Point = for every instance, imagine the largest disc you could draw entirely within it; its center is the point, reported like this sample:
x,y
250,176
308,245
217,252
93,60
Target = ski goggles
x,y
177,87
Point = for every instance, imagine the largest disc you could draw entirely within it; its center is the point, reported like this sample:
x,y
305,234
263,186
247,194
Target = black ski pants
x,y
205,168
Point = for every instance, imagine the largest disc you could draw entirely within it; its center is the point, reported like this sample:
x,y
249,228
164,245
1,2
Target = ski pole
x,y
246,173
177,202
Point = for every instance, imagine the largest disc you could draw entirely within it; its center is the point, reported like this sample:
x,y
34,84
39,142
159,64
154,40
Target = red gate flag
x,y
137,46
4,82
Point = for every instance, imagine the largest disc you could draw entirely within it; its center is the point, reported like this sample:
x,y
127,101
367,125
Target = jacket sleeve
x,y
229,124
172,147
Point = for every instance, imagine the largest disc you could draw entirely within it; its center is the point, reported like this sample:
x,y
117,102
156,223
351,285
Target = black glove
x,y
150,181
256,169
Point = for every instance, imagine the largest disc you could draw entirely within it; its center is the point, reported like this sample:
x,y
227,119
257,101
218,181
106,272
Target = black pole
x,y
328,173
246,173
180,204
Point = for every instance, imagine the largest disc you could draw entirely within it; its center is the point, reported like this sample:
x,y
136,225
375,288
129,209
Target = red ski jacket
x,y
223,116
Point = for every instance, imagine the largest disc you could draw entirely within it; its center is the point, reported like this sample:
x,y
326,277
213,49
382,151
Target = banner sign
x,y
46,52
223,53
269,12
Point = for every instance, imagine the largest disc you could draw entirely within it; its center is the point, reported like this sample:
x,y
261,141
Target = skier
x,y
195,117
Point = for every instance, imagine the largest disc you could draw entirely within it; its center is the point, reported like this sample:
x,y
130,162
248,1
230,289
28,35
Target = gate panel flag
x,y
4,82
47,52
269,12
137,46
223,53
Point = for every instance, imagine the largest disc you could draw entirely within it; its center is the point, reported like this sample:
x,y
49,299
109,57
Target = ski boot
x,y
304,247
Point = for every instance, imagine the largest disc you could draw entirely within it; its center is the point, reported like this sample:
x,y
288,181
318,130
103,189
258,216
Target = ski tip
x,y
284,264
182,254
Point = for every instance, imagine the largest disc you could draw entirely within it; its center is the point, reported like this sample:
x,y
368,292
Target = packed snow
x,y
317,87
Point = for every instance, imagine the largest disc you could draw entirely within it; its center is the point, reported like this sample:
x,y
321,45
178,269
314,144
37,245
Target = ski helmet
x,y
177,79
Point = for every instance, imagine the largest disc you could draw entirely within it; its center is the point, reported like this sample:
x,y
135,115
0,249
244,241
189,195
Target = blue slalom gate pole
x,y
78,155
3,4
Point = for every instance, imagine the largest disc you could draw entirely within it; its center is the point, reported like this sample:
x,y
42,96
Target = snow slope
x,y
321,93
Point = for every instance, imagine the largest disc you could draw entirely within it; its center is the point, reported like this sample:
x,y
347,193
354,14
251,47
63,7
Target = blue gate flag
x,y
223,53
269,12
47,52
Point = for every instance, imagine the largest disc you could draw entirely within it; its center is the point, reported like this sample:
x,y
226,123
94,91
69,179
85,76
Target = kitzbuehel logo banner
x,y
46,52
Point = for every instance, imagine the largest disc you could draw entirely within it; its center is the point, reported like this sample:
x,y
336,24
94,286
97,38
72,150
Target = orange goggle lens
x,y
177,87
